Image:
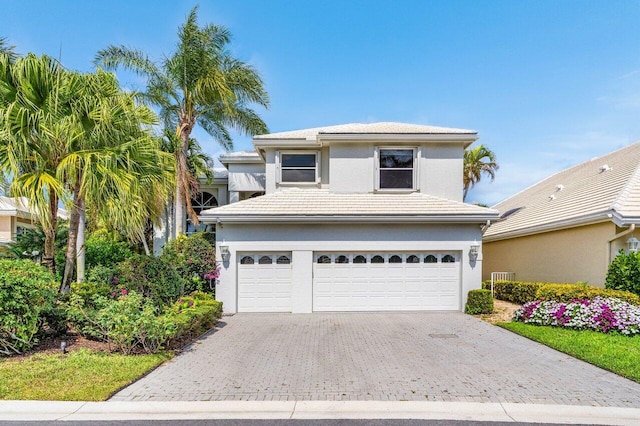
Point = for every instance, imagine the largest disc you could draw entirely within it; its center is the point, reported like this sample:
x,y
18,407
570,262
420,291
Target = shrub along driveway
x,y
377,356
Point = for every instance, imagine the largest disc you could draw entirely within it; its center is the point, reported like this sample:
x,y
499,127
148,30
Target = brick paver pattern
x,y
376,356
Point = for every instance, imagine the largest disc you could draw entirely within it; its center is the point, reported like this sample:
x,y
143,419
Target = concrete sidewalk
x,y
200,410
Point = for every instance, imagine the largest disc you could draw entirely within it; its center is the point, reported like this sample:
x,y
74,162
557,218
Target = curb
x,y
204,410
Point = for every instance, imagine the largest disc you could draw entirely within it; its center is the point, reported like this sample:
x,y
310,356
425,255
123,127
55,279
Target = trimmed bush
x,y
192,315
518,292
567,293
479,302
26,294
624,273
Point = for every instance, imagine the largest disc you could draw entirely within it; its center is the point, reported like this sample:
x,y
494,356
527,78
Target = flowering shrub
x,y
194,258
599,314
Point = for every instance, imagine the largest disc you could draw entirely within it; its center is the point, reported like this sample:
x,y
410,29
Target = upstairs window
x,y
299,168
396,168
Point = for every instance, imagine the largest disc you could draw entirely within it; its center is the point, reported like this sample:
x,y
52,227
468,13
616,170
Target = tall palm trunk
x,y
182,172
80,253
48,258
72,239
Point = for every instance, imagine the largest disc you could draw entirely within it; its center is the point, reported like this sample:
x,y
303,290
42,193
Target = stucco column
x,y
234,196
302,281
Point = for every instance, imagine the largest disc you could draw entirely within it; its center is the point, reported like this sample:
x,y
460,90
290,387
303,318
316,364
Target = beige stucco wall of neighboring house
x,y
6,228
570,255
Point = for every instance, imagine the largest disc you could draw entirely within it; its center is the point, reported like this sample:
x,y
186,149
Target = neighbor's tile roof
x,y
318,202
366,128
579,194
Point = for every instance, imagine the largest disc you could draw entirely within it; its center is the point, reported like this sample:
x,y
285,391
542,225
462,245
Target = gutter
x,y
345,219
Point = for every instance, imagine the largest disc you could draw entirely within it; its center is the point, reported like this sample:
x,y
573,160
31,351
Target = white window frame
x,y
416,161
294,152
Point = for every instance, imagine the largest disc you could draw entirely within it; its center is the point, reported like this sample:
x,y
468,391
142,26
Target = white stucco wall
x,y
440,170
352,168
246,177
303,240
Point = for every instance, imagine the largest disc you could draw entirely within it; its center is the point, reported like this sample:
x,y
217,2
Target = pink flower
x,y
123,291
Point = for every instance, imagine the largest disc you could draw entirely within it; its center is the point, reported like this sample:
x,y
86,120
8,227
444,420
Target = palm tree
x,y
5,48
78,138
199,84
35,127
478,161
115,162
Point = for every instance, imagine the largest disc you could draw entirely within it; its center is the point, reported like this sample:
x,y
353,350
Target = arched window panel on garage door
x,y
323,258
431,258
412,258
448,258
341,258
283,260
377,259
247,260
265,260
395,258
359,258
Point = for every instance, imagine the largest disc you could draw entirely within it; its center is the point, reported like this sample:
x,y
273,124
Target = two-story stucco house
x,y
354,217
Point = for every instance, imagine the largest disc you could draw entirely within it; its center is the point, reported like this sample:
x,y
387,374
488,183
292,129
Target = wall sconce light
x,y
224,252
632,244
473,251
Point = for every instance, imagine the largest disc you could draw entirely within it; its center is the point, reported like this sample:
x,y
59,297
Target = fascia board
x,y
466,138
555,226
480,219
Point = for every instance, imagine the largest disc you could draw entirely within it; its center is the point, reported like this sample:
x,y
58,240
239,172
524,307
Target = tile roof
x,y
319,203
587,192
366,128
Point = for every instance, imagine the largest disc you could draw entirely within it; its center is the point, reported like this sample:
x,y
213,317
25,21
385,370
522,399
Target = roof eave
x,y
575,222
256,218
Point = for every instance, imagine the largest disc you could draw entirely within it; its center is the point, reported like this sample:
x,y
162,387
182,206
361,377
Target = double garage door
x,y
357,281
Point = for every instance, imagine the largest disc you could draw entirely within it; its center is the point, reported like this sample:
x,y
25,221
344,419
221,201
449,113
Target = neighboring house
x,y
355,217
15,217
568,227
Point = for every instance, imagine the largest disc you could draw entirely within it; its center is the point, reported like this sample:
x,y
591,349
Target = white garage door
x,y
386,281
264,282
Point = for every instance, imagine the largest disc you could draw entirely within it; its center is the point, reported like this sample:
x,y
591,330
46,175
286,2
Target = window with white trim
x,y
396,168
299,167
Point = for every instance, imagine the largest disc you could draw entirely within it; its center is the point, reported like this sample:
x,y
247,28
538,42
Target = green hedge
x,y
521,292
192,315
479,302
567,293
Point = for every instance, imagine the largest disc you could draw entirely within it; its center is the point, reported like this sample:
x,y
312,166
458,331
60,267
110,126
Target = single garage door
x,y
264,282
386,281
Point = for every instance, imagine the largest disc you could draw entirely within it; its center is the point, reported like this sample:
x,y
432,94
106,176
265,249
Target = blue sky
x,y
546,83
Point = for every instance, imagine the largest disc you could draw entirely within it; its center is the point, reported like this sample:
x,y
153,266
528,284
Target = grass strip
x,y
80,375
614,352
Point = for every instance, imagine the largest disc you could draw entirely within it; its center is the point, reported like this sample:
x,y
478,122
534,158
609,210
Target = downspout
x,y
628,231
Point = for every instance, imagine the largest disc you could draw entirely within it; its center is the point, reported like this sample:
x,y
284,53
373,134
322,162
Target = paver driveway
x,y
377,356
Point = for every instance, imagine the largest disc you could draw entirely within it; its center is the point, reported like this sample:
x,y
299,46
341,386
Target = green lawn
x,y
613,352
77,376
